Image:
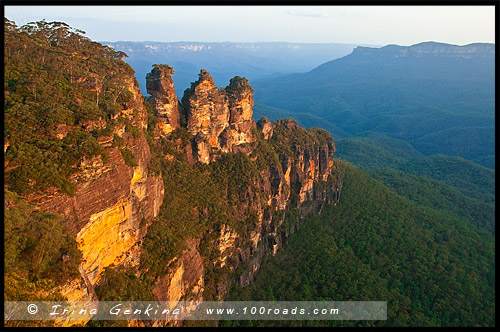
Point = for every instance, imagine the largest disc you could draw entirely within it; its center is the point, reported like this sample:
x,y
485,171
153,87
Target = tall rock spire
x,y
163,100
239,132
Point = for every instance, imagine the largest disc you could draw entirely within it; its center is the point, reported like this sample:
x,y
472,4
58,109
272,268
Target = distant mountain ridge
x,y
224,60
206,46
438,97
430,48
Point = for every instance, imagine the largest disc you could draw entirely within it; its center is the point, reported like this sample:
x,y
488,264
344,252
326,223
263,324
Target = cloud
x,y
307,14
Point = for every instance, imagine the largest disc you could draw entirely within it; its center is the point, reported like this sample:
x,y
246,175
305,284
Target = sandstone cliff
x,y
116,198
112,200
163,99
299,181
271,175
219,119
292,174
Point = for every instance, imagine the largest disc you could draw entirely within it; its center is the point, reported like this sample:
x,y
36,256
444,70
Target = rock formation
x,y
265,127
237,190
239,133
220,120
163,99
114,203
111,201
306,173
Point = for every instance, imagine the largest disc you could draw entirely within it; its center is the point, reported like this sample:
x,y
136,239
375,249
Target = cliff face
x,y
219,119
292,174
78,145
111,202
239,133
300,182
299,179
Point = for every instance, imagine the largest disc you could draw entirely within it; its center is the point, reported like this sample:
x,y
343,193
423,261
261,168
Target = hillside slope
x,y
438,97
432,268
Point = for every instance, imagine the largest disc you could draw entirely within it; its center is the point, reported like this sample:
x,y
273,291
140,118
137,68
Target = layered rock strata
x,y
114,203
302,178
111,203
300,183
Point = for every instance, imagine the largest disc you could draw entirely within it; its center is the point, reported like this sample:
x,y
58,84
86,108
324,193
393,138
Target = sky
x,y
375,25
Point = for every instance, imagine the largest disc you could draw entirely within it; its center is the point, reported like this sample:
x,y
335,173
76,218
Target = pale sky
x,y
376,25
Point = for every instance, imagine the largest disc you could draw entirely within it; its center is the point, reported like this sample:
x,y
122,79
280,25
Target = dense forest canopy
x,y
57,85
432,267
56,80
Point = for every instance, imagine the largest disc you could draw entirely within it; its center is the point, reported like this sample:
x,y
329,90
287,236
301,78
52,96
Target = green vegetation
x,y
195,206
200,199
376,151
437,103
469,178
121,284
179,217
433,268
479,146
56,79
39,253
439,196
128,157
62,92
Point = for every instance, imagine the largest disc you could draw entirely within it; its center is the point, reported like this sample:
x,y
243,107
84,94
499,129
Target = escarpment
x,y
114,199
163,99
281,173
248,187
298,179
111,197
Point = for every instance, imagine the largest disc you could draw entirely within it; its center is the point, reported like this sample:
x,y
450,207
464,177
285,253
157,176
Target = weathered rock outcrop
x,y
163,99
220,120
184,281
185,276
114,203
239,134
111,203
109,189
266,128
300,180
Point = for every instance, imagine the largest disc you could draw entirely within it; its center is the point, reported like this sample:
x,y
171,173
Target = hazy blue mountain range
x,y
224,60
437,97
